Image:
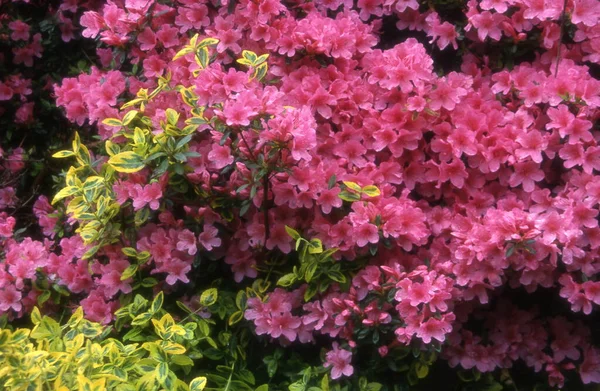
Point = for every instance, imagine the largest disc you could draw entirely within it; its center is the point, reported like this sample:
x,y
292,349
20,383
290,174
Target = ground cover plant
x,y
294,195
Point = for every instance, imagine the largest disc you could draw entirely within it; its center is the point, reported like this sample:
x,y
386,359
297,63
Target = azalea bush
x,y
322,194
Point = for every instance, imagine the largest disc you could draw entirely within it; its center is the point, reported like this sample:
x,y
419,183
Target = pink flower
x,y
93,23
284,324
208,238
148,195
433,328
176,270
590,367
147,39
168,36
220,156
328,199
366,233
20,30
487,25
237,113
187,242
10,297
586,12
526,173
154,66
339,360
455,171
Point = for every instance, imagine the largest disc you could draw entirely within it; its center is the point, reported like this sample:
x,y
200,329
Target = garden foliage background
x,y
303,195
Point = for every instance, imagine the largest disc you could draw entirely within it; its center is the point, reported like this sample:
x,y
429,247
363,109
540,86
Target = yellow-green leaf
x,y
371,191
292,232
63,154
162,371
249,55
126,162
139,138
353,185
261,59
202,57
112,122
157,303
209,297
129,117
132,102
243,61
111,148
173,348
92,182
315,246
194,40
76,317
172,116
129,251
64,193
183,52
260,71
198,384
129,272
208,42
36,317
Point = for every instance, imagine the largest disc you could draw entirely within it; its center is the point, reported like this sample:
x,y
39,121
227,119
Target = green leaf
x,y
249,55
112,122
209,297
129,251
139,138
260,72
287,280
260,59
336,276
332,182
93,182
353,186
183,52
202,57
149,282
65,192
129,117
182,360
43,298
421,370
36,317
172,116
157,303
292,232
162,372
198,384
208,42
325,383
264,387
235,318
127,162
311,269
129,272
111,148
315,246
310,291
347,196
371,191
63,154
173,348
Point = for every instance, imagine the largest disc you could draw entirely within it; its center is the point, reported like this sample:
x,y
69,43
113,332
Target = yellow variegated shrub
x,y
80,355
